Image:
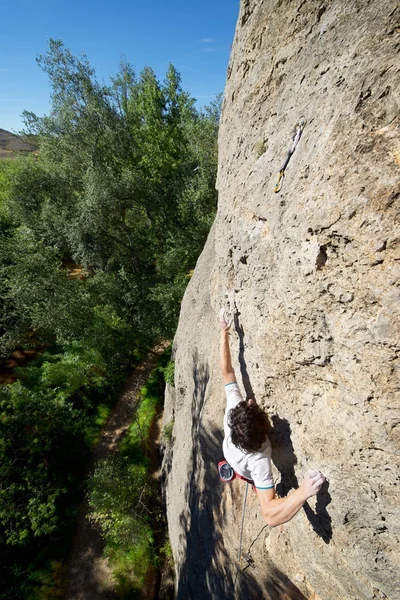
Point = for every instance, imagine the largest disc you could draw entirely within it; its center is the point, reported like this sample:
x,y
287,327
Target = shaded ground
x,y
20,357
89,577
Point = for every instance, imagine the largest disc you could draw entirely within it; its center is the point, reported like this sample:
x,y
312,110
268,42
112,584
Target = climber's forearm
x,y
277,511
225,358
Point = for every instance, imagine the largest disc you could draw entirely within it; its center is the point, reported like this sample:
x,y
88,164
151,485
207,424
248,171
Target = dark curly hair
x,y
249,426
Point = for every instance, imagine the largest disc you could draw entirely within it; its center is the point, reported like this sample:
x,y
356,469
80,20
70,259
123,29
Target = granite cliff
x,y
313,273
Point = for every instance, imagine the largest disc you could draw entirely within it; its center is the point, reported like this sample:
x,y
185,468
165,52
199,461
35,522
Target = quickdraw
x,y
295,140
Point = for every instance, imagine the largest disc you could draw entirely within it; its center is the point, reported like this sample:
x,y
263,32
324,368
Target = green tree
x,y
42,445
124,186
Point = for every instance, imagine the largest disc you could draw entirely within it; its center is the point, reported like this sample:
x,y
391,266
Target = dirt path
x,y
89,576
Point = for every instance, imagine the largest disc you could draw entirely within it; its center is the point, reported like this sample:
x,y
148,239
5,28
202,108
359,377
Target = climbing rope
x,y
241,527
295,140
241,536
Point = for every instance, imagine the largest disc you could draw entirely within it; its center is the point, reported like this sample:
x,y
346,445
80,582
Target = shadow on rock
x,y
275,587
242,361
285,460
283,455
207,570
280,587
320,519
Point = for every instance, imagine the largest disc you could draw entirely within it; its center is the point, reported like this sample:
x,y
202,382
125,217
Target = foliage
x,y
136,439
166,552
260,148
166,434
36,292
50,583
117,493
129,170
72,370
121,495
130,565
123,187
169,373
42,444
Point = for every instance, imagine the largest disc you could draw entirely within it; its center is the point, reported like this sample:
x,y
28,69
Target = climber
x,y
247,448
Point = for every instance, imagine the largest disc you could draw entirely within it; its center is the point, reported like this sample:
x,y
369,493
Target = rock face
x,y
313,272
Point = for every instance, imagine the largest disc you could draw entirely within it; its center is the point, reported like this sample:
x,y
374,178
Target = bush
x,y
122,495
50,582
45,436
123,185
169,373
166,434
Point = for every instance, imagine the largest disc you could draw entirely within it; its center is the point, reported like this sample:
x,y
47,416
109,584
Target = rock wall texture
x,y
313,272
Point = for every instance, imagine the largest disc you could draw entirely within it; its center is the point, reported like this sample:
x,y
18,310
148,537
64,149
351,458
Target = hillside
x,y
11,144
312,272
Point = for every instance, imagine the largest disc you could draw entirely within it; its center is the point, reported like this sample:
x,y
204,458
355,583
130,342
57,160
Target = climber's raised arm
x,y
277,511
247,449
228,373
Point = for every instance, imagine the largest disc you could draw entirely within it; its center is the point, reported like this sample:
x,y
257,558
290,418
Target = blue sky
x,y
195,36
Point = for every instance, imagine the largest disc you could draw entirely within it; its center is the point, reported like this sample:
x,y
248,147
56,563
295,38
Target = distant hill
x,y
11,144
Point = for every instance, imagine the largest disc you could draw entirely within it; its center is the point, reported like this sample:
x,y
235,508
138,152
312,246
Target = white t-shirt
x,y
252,465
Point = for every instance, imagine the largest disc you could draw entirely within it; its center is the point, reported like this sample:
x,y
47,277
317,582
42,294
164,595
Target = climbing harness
x,y
295,140
227,473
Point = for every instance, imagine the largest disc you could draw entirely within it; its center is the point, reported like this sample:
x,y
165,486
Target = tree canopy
x,y
122,189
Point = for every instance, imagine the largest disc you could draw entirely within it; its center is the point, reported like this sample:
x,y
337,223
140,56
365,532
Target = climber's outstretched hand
x,y
223,320
312,483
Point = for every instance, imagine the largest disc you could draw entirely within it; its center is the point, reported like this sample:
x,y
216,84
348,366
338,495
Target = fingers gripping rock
x,y
223,319
313,482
